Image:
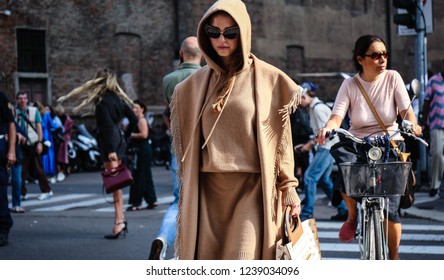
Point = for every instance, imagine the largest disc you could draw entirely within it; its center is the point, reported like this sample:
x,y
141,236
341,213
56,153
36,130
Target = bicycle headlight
x,y
374,153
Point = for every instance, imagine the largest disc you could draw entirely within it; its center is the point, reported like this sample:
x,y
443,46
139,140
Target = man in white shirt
x,y
321,165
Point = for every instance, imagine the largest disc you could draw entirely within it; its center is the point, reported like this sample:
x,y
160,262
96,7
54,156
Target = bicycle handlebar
x,y
406,131
347,134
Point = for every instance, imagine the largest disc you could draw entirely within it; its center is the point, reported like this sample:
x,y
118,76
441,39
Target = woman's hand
x,y
320,137
298,148
11,158
417,130
335,121
112,157
295,209
39,147
410,116
21,139
113,161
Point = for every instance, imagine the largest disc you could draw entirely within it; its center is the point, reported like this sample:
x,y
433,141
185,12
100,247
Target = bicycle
x,y
372,184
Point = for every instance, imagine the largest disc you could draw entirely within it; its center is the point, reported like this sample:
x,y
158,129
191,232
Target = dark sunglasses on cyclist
x,y
214,32
378,55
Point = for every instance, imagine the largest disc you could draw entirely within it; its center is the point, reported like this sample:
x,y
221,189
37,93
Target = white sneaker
x,y
45,196
52,180
158,249
60,177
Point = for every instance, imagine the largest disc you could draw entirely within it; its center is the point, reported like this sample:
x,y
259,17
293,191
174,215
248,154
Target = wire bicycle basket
x,y
375,179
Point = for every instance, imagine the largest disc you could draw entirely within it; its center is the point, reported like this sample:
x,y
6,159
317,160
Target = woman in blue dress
x,y
48,127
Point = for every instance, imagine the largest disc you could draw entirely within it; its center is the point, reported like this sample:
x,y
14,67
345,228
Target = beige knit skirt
x,y
230,216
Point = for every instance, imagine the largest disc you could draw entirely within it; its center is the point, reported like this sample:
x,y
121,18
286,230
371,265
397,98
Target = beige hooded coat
x,y
275,97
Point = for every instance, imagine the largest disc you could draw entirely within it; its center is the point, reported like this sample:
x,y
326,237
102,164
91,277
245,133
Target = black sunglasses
x,y
378,55
214,32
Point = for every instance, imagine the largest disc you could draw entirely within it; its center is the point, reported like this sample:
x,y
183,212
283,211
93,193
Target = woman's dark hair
x,y
361,47
51,110
141,104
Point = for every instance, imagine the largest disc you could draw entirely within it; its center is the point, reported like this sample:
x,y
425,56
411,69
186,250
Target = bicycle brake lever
x,y
412,135
407,126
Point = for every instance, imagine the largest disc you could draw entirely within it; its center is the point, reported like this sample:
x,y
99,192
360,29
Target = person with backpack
x,y
300,133
29,119
321,165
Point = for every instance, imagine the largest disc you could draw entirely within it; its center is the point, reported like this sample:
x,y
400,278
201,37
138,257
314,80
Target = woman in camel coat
x,y
232,137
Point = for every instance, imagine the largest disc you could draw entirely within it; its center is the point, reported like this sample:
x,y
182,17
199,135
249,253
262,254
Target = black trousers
x,y
32,162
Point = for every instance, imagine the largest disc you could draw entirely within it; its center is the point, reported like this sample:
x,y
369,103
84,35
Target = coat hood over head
x,y
238,11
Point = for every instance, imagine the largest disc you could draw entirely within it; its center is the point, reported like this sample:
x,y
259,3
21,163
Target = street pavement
x,y
71,224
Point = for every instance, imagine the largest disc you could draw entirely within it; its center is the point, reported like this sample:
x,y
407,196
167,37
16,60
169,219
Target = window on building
x,y
31,51
295,61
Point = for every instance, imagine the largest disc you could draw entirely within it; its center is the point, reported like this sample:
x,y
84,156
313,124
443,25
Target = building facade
x,y
49,47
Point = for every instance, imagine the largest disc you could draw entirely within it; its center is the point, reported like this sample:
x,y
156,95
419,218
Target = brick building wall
x,y
140,40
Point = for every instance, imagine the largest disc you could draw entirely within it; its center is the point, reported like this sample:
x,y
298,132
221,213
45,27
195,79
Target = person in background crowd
x,y
30,120
411,145
143,186
231,130
310,87
190,59
48,127
433,111
57,136
111,104
62,152
388,94
7,158
16,171
301,133
321,165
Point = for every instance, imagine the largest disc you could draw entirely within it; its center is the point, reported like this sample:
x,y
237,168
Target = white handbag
x,y
299,241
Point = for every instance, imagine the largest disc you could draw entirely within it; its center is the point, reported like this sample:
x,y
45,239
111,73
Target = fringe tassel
x,y
179,153
286,111
291,107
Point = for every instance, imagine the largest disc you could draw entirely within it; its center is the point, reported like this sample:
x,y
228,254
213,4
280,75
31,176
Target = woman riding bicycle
x,y
388,94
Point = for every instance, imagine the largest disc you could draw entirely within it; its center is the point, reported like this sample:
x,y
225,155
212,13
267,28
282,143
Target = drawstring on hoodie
x,y
221,101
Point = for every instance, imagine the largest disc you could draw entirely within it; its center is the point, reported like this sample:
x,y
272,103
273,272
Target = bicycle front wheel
x,y
374,240
379,237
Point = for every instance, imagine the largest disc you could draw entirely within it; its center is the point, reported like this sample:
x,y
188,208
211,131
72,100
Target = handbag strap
x,y
291,227
395,146
28,122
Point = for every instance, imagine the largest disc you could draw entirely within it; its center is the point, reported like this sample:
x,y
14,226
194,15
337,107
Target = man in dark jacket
x,y
7,158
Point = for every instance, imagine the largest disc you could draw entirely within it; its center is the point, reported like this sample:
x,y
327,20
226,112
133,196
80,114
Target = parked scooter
x,y
83,151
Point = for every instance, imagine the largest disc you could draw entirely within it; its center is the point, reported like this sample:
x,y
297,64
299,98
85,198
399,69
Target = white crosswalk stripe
x,y
62,198
64,202
160,200
432,234
429,237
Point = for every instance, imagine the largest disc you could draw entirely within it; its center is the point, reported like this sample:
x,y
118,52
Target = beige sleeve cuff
x,y
290,196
